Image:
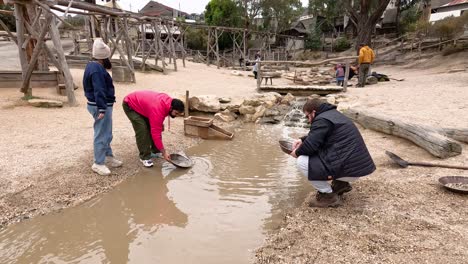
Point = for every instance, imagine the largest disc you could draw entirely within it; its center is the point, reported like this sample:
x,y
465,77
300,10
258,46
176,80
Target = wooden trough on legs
x,y
204,128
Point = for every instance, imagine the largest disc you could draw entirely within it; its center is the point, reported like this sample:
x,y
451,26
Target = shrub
x,y
449,27
196,39
342,44
409,19
454,49
313,41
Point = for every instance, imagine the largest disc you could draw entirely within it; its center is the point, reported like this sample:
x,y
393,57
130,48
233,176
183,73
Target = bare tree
x,y
365,14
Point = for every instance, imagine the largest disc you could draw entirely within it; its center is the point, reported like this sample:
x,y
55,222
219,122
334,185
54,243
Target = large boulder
x,y
205,103
225,116
45,103
259,112
246,109
288,99
268,99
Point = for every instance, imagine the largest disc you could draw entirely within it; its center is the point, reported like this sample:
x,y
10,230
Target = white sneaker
x,y
147,163
113,162
100,169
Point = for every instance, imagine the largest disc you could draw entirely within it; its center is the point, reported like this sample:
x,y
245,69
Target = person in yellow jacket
x,y
366,58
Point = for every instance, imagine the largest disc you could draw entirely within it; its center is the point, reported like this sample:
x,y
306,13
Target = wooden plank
x,y
423,136
301,90
14,79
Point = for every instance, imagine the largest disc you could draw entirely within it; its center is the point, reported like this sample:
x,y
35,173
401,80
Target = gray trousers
x,y
321,186
363,72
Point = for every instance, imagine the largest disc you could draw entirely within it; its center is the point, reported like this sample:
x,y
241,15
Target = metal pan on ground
x,y
181,161
286,146
458,184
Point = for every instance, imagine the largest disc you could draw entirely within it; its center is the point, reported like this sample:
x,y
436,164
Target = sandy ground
x,y
395,215
46,154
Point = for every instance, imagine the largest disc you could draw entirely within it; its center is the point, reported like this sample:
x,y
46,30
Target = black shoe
x,y
341,187
325,200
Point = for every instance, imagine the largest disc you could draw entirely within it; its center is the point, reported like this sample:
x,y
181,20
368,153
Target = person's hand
x,y
167,156
297,144
100,116
293,153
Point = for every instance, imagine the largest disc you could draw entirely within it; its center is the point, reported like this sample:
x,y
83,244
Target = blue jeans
x,y
102,134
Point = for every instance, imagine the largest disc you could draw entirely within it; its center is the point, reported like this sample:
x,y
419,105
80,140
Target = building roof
x,y
390,16
154,8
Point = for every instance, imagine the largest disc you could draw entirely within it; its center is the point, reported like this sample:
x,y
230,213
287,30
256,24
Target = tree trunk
x,y
426,137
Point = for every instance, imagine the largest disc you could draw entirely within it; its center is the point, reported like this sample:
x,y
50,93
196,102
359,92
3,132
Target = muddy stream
x,y
218,211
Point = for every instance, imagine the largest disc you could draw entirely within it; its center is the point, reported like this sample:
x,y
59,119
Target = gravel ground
x,y
395,215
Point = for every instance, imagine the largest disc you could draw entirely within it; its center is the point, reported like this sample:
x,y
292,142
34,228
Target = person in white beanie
x,y
99,90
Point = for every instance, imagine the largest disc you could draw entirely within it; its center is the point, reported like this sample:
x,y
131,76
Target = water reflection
x,y
218,211
99,231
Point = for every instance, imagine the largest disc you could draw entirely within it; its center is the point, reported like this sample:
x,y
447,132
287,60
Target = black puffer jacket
x,y
336,141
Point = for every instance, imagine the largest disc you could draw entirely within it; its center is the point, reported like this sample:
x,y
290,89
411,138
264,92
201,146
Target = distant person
x,y
333,150
257,55
366,58
339,74
255,67
99,90
147,111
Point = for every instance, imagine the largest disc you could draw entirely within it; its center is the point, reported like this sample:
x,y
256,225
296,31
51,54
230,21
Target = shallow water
x,y
218,211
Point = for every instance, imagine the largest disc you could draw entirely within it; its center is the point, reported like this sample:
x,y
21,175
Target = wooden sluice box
x,y
204,128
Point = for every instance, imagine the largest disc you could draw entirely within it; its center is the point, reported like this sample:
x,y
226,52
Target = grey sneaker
x,y
147,163
113,162
101,169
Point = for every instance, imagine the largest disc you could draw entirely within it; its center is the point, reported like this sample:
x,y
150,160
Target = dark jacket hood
x,y
325,107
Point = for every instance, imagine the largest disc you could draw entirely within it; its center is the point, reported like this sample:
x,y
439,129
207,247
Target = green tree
x,y
7,19
284,12
329,9
249,10
223,13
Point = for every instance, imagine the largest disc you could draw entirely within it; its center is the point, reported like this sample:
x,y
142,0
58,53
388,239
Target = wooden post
x,y
37,50
345,82
217,48
69,85
172,47
208,46
259,74
20,40
143,43
128,44
245,47
187,104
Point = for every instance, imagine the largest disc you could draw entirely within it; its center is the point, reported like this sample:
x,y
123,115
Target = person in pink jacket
x,y
147,111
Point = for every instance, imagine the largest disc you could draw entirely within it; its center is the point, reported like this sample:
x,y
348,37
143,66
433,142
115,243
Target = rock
x,y
224,100
287,99
264,98
272,112
225,116
331,99
259,112
236,73
248,118
45,103
205,103
371,80
270,120
246,110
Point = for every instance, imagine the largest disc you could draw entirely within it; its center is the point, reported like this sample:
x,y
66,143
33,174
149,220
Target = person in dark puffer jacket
x,y
99,90
333,150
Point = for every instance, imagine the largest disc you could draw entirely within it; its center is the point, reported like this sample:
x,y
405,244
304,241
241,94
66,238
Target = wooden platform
x,y
39,79
301,90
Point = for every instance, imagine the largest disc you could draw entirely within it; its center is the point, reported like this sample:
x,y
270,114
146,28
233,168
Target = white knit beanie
x,y
100,49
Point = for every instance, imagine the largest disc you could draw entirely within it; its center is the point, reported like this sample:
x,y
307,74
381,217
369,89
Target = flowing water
x,y
218,211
